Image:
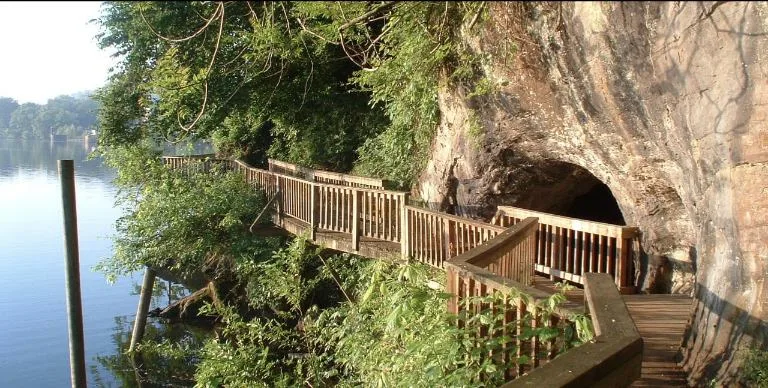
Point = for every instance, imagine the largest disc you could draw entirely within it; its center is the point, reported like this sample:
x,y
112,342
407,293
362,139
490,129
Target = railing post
x,y
355,221
623,279
278,202
313,211
452,289
405,234
446,230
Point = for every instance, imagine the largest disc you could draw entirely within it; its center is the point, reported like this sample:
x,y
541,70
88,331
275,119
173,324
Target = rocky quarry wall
x,y
664,103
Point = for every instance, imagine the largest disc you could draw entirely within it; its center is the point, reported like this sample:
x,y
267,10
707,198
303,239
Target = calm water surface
x,y
33,322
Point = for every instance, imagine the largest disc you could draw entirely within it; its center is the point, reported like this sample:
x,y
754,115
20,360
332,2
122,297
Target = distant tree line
x,y
63,115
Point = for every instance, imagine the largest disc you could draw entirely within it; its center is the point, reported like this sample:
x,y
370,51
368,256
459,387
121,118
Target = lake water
x,y
34,348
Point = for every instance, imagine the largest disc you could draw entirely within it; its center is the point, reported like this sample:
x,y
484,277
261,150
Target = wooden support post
x,y
141,312
313,212
620,264
355,221
447,243
625,280
405,233
72,269
451,287
279,203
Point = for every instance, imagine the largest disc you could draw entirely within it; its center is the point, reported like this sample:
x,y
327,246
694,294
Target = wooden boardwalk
x,y
661,320
357,215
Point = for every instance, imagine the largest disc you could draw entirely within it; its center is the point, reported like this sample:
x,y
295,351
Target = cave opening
x,y
597,204
568,190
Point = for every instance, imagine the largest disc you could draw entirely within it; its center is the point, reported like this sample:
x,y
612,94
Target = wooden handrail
x,y
479,259
570,223
471,275
198,156
510,238
613,359
434,237
328,177
567,248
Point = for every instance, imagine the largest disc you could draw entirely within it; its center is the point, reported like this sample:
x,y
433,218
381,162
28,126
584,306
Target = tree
x,y
25,122
322,78
61,115
7,106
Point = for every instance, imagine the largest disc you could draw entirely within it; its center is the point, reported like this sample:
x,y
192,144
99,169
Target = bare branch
x,y
219,8
304,28
365,16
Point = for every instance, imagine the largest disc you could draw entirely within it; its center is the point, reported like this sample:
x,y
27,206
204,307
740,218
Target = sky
x,y
48,49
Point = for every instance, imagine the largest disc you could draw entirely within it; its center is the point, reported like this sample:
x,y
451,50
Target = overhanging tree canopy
x,y
310,82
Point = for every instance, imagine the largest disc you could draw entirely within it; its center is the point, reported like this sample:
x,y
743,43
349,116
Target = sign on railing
x,y
567,248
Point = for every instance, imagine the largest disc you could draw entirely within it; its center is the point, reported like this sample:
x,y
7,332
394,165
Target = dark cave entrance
x,y
566,189
597,204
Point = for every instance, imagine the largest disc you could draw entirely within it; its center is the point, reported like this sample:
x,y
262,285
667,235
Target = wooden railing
x,y
360,212
333,178
470,275
435,237
482,258
613,359
178,162
567,248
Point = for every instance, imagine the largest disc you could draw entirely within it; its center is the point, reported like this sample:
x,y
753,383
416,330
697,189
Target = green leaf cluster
x,y
324,84
399,333
185,221
755,369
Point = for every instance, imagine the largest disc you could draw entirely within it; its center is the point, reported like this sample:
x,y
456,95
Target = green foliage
x,y
189,67
185,222
63,115
7,107
421,46
398,333
323,84
275,347
755,369
249,357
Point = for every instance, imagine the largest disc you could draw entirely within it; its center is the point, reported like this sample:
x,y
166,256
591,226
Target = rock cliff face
x,y
664,103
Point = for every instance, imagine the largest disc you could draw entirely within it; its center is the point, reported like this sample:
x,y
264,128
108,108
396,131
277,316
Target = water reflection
x,y
20,155
152,369
33,320
29,155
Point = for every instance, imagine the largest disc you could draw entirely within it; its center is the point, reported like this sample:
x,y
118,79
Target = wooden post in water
x,y
72,269
143,310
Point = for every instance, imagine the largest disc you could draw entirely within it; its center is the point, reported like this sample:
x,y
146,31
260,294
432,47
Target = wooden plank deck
x,y
575,295
661,320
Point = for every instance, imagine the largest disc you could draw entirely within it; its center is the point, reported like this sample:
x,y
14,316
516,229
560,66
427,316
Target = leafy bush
x,y
756,368
398,333
180,220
